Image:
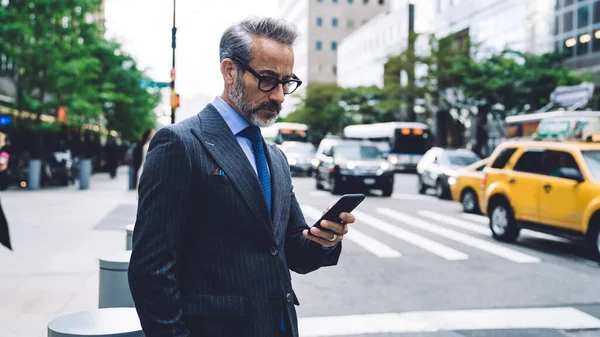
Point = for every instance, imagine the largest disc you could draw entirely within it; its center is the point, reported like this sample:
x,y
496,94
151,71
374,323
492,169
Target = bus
x,y
282,132
555,125
408,141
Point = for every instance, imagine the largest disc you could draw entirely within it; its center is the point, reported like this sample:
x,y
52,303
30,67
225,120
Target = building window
x,y
319,1
334,69
568,3
582,44
366,2
319,21
334,22
568,22
381,2
596,41
350,23
319,45
556,4
350,2
334,46
334,1
556,25
583,15
597,12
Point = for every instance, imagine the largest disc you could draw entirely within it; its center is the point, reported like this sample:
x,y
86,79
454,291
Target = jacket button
x,y
274,251
288,298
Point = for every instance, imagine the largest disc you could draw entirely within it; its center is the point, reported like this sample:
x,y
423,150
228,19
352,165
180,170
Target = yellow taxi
x,y
546,186
465,185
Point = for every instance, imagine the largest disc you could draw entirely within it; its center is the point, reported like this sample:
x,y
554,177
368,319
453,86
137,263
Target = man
x,y
218,227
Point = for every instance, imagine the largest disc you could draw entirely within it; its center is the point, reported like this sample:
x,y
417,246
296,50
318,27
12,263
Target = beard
x,y
239,97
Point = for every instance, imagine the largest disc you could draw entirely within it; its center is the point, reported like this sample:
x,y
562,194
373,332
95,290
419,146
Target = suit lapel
x,y
216,137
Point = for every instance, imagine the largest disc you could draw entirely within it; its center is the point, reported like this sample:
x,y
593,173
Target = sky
x,y
143,27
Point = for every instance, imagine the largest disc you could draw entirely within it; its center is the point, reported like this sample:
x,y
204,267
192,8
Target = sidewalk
x,y
58,236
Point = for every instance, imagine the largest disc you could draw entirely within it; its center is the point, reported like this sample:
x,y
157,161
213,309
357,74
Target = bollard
x,y
111,322
131,178
129,238
114,286
85,173
34,174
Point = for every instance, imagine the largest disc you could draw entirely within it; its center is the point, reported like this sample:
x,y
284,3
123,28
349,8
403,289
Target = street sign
x,y
146,83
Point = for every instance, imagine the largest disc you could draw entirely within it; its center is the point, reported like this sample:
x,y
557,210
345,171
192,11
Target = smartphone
x,y
346,203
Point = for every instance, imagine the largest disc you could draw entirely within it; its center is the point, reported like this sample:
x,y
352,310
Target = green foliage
x,y
55,56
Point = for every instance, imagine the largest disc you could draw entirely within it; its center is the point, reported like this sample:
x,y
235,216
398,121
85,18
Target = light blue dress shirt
x,y
236,124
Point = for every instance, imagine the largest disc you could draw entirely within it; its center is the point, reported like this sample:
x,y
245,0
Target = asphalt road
x,y
417,266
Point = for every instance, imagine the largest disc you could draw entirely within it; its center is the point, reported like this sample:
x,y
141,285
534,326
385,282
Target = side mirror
x,y
571,173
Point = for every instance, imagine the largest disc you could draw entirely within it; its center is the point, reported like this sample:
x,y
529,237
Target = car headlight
x,y
451,181
293,161
393,160
386,166
350,165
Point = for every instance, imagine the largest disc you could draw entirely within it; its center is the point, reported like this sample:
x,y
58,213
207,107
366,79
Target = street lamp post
x,y
173,44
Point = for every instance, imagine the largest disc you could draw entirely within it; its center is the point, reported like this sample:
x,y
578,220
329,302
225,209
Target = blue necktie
x,y
255,137
253,134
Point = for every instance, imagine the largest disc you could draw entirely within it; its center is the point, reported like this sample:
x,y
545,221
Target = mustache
x,y
271,105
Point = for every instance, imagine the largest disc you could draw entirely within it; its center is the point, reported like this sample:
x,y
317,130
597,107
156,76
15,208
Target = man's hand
x,y
332,232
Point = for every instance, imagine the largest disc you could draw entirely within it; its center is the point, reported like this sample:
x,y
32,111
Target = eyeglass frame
x,y
263,77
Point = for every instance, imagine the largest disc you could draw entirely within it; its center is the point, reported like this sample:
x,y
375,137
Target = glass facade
x,y
575,29
583,15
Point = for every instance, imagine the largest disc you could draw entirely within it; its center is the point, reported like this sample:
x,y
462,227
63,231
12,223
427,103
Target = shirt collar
x,y
235,122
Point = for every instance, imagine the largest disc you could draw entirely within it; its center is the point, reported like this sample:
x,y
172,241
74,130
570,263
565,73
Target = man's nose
x,y
277,94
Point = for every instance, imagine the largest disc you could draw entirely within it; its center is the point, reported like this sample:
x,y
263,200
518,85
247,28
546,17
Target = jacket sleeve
x,y
163,197
304,255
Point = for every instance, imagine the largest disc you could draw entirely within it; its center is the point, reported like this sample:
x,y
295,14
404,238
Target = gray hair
x,y
237,39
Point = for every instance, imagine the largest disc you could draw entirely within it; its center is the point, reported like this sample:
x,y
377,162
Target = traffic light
x,y
174,99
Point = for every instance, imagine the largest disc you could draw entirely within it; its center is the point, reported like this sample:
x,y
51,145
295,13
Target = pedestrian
x,y
4,158
139,154
218,227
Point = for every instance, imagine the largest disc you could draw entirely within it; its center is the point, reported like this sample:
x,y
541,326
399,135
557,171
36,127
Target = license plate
x,y
369,181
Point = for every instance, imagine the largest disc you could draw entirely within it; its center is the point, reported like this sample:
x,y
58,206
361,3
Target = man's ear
x,y
228,70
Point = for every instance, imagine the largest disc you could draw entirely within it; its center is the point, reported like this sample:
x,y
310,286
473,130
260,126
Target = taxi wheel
x,y
597,245
595,237
469,201
502,222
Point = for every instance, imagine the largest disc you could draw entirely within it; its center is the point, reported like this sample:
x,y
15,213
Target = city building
x,y
576,32
322,25
363,53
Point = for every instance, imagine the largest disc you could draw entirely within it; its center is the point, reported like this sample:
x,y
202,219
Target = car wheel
x,y
318,183
420,186
469,201
440,190
387,191
502,222
336,187
594,236
597,245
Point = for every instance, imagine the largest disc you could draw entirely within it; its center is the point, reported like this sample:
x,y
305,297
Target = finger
x,y
321,233
338,228
321,241
347,217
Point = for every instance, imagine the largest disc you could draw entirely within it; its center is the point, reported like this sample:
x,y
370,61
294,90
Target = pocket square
x,y
218,171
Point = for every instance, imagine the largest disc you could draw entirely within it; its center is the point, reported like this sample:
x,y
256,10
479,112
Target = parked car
x,y
344,165
438,165
299,156
465,186
545,186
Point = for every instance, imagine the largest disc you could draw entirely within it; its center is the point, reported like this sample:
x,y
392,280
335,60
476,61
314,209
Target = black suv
x,y
347,165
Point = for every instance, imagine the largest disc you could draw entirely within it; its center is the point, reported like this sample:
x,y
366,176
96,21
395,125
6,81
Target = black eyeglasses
x,y
268,83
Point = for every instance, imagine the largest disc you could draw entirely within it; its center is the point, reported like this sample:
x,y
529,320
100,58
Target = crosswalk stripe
x,y
372,245
415,239
558,318
486,221
486,246
456,222
398,196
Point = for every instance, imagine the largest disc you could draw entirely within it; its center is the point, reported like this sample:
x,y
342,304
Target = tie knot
x,y
252,133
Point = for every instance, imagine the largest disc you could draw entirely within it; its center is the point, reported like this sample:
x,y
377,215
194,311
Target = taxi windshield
x,y
592,158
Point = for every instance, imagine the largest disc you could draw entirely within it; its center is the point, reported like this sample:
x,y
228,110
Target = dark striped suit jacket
x,y
208,259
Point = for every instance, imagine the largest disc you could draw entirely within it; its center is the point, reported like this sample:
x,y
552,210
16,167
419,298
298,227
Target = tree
x,y
320,110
